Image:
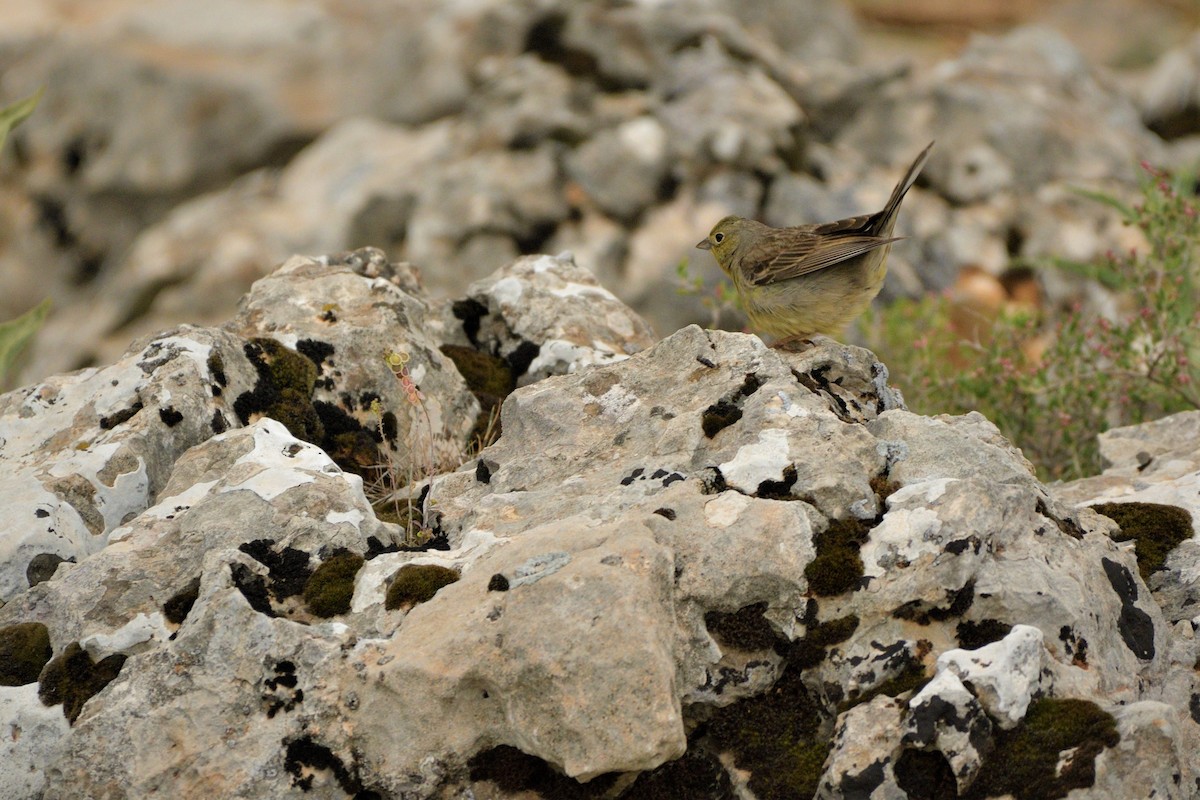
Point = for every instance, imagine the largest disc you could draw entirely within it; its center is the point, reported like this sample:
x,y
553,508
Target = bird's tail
x,y
893,204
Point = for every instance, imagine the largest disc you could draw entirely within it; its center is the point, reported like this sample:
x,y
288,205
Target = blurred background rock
x,y
185,148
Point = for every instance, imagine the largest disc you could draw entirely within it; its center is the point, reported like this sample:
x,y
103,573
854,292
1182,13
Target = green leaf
x,y
16,333
1102,273
11,116
1105,198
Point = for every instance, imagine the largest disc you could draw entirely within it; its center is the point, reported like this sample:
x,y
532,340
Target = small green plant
x,y
1051,388
17,333
394,498
720,299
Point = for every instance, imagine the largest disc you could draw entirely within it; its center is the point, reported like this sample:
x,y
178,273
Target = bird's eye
x,y
718,237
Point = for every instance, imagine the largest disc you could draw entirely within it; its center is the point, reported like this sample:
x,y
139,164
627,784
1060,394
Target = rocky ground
x,y
629,557
696,567
181,151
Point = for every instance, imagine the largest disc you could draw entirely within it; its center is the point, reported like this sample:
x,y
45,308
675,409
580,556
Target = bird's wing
x,y
807,252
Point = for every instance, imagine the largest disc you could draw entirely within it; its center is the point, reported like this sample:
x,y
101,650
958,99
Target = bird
x,y
805,280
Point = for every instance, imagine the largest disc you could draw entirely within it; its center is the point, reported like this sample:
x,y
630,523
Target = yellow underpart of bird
x,y
809,279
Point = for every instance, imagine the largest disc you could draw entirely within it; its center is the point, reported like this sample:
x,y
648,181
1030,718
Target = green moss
x,y
775,737
287,368
696,775
838,567
1025,760
330,588
73,678
1155,528
485,374
417,583
24,650
744,629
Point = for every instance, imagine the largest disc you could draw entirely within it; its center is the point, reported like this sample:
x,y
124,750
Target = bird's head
x,y
723,240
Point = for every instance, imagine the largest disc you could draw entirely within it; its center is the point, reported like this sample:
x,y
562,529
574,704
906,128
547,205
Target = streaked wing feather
x,y
811,254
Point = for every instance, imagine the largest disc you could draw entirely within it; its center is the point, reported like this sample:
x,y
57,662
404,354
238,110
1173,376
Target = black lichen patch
x,y
513,771
170,416
522,356
24,650
41,567
1134,625
818,638
303,756
666,513
253,588
497,583
973,635
1025,761
331,586
780,489
280,692
925,775
838,567
72,678
727,411
483,473
288,569
1075,645
958,602
469,312
219,424
490,378
1156,529
216,368
283,390
314,350
910,677
696,775
179,604
744,629
378,548
417,583
353,447
119,417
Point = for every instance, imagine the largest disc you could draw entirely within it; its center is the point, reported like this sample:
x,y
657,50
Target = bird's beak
x,y
704,244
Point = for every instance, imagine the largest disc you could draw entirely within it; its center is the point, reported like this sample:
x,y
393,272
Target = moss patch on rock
x,y
776,738
1025,761
72,678
1156,529
417,583
838,567
179,604
331,586
24,650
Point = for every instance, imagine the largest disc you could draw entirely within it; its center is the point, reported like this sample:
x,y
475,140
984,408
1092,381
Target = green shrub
x,y
1051,388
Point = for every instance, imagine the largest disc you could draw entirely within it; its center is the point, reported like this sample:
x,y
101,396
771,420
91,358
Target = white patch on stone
x,y
557,352
583,291
618,403
278,471
904,535
724,509
759,461
1004,675
32,735
142,628
353,516
170,506
508,291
